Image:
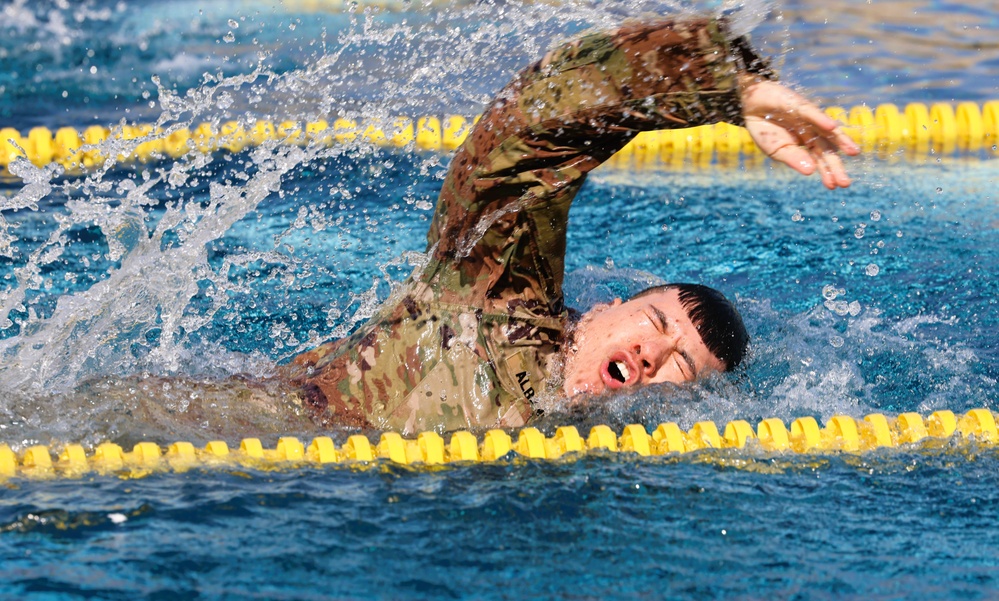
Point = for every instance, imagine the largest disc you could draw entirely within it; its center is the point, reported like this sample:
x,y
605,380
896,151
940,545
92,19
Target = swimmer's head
x,y
673,333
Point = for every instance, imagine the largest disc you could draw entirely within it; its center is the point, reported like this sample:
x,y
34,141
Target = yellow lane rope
x,y
918,129
840,434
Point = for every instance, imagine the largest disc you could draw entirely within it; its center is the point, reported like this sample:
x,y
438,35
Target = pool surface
x,y
879,298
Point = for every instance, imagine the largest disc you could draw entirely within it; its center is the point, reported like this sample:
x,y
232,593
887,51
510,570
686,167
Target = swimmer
x,y
481,332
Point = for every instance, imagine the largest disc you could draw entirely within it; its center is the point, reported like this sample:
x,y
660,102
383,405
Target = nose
x,y
650,356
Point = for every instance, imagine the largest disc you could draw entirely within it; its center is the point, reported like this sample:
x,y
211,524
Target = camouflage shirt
x,y
475,336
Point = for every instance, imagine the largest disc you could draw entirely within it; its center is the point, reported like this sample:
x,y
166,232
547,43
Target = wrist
x,y
749,60
747,83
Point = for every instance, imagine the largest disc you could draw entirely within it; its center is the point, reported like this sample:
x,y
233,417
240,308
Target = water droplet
x,y
836,341
229,37
875,215
939,190
837,307
872,270
797,216
233,23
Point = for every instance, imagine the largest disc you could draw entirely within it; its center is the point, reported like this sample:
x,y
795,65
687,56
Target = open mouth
x,y
619,371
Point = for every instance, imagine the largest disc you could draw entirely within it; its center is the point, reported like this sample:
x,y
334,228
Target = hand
x,y
794,131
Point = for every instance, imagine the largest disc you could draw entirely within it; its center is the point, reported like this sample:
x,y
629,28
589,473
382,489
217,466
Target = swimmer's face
x,y
647,340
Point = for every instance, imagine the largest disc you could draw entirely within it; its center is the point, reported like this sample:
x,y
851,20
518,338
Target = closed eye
x,y
660,317
690,364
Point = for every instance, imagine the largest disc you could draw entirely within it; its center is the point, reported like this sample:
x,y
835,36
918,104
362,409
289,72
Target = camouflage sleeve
x,y
498,234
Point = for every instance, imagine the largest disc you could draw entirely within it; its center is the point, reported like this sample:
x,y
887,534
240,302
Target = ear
x,y
595,309
600,308
604,306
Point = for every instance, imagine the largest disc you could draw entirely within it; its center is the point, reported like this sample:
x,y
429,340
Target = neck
x,y
567,346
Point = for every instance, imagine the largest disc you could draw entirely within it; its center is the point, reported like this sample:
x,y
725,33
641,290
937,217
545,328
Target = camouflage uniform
x,y
476,335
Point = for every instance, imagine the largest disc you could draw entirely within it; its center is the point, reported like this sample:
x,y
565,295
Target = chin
x,y
578,388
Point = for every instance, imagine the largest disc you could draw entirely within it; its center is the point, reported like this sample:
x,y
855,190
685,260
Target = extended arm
x,y
498,235
472,340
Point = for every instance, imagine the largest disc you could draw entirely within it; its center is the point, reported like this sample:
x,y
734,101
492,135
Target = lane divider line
x,y
840,433
886,131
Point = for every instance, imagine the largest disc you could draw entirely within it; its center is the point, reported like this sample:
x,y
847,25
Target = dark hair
x,y
715,318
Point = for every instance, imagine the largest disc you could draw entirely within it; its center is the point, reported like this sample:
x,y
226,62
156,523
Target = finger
x,y
817,117
836,170
844,143
835,164
838,141
829,129
825,150
822,167
795,157
825,172
829,164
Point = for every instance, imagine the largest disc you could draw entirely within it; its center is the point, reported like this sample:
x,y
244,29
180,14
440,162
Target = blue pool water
x,y
878,298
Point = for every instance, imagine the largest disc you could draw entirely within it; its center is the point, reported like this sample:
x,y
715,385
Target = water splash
x,y
216,265
128,275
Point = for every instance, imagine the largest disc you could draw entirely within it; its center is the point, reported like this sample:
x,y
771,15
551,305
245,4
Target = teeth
x,y
623,368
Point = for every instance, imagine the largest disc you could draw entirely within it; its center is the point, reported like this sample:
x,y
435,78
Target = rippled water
x,y
895,51
879,298
92,62
904,525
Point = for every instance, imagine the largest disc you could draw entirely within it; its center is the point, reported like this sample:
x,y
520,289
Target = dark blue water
x,y
878,298
894,526
93,61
